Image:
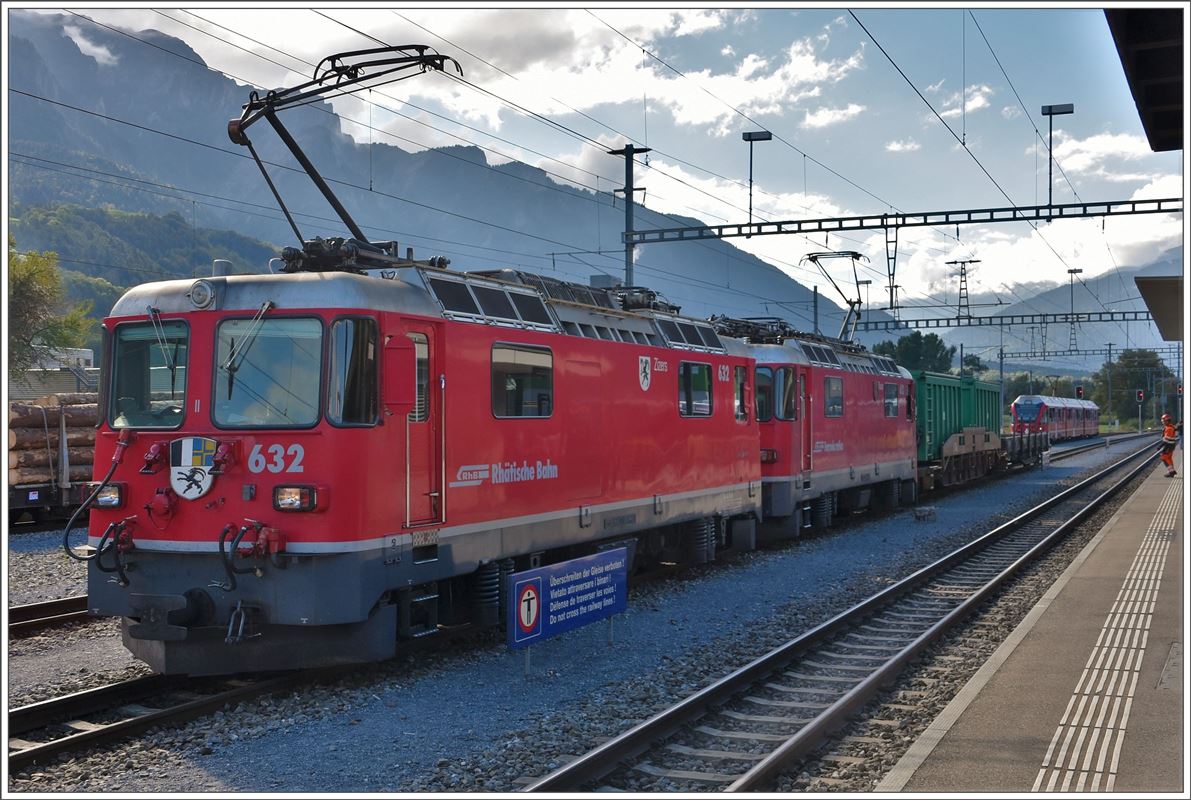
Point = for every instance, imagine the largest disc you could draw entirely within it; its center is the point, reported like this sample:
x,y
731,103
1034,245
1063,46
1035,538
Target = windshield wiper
x,y
159,333
233,364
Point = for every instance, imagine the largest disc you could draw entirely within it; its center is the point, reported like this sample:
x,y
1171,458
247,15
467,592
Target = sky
x,y
558,87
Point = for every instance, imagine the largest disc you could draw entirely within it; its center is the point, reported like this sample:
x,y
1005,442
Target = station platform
x,y
1087,693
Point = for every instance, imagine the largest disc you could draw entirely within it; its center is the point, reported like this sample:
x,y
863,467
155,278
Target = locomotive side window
x,y
833,397
531,308
741,377
351,390
694,390
671,330
494,302
891,399
454,296
522,381
764,394
787,398
149,374
267,373
421,411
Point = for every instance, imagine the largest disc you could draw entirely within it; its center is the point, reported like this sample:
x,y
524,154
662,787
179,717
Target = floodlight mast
x,y
333,74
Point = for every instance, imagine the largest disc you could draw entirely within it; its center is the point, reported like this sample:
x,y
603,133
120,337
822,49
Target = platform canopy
x,y
1150,44
1164,298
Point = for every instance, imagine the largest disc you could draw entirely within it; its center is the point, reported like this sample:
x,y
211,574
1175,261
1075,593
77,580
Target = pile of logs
x,y
34,431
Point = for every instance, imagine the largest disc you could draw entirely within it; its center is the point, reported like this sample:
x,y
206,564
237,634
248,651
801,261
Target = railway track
x,y
26,619
41,731
743,731
1068,452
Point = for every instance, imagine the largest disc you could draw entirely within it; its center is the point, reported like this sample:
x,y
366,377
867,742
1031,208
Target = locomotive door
x,y
804,415
424,434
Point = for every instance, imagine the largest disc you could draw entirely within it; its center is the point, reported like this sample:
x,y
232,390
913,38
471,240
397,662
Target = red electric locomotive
x,y
836,425
317,465
1060,418
308,467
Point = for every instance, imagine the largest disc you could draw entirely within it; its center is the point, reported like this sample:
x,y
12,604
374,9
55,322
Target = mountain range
x,y
143,130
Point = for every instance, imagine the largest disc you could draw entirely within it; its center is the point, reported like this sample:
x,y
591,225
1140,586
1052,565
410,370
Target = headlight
x,y
110,496
295,498
201,294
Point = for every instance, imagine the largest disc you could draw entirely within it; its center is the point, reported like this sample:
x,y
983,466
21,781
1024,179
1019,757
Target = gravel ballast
x,y
468,719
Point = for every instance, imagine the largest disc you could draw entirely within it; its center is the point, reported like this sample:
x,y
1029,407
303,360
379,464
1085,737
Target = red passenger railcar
x,y
1061,418
318,465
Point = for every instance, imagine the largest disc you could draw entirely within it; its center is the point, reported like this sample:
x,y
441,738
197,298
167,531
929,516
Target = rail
x,y
27,618
1068,452
62,724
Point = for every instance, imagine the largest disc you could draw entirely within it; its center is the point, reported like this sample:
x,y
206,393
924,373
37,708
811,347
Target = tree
x,y
973,363
916,351
1133,370
37,312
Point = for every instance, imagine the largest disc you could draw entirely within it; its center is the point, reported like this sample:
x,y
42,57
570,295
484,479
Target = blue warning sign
x,y
547,601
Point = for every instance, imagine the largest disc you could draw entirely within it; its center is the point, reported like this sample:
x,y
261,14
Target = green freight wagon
x,y
958,421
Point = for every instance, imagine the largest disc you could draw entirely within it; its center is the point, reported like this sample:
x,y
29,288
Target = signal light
x,y
1079,392
1141,395
1180,390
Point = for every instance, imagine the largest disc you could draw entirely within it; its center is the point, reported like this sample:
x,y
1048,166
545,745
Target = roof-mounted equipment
x,y
853,305
342,73
635,298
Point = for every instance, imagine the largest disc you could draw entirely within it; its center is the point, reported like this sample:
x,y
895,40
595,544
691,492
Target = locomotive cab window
x,y
522,381
267,373
833,397
149,374
694,389
351,389
764,394
740,375
787,398
421,411
891,399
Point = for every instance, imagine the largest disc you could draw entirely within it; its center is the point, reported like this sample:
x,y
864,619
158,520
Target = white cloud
x,y
88,48
695,22
727,51
586,63
935,87
1091,154
1011,112
976,100
902,146
823,117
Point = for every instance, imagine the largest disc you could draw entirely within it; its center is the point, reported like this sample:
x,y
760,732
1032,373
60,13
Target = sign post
x,y
551,600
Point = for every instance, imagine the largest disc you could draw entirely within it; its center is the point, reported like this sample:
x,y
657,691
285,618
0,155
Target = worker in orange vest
x,y
1169,439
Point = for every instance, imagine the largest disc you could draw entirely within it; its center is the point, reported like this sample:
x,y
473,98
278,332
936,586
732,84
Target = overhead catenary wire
x,y
363,188
534,115
957,138
356,122
1039,138
645,164
778,136
348,184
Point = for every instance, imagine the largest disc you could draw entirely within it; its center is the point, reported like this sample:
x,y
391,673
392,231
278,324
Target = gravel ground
x,y
38,569
468,719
